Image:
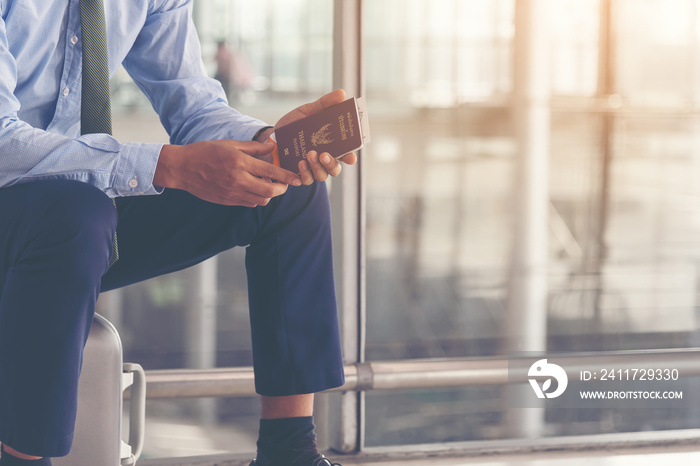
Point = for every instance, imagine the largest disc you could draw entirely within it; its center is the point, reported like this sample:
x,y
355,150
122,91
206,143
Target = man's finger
x,y
253,200
335,97
254,148
307,176
349,159
273,172
332,98
330,164
319,171
262,188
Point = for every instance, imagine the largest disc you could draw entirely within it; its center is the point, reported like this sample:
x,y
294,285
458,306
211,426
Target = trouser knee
x,y
75,226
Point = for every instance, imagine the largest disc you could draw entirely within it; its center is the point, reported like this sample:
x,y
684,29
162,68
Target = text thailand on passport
x,y
338,130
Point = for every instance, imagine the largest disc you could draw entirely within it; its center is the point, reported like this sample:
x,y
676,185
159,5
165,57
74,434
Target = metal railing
x,y
418,373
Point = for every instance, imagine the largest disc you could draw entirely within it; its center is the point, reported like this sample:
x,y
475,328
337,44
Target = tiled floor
x,y
683,456
199,446
648,458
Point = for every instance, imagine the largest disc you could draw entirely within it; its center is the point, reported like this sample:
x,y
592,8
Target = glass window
x,y
623,200
438,233
574,46
657,47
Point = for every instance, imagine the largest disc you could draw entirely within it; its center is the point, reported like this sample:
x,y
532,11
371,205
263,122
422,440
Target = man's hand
x,y
317,167
224,172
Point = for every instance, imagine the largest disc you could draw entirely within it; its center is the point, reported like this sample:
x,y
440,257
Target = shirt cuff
x,y
247,132
137,166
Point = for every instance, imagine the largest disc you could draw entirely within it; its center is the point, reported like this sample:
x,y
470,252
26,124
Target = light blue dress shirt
x,y
40,87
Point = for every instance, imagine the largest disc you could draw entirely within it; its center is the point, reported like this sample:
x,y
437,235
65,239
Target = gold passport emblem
x,y
322,136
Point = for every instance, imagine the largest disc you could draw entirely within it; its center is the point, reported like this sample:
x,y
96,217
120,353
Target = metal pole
x,y
201,329
418,373
348,226
527,297
111,306
595,257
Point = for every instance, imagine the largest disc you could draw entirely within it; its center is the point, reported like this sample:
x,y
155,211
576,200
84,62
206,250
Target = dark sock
x,y
7,459
286,442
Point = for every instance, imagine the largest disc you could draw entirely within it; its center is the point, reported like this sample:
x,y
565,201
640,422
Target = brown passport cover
x,y
336,130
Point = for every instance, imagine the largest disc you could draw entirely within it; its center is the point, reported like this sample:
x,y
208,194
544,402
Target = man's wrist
x,y
163,176
263,134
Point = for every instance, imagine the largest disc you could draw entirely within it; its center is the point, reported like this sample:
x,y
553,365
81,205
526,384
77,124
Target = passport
x,y
339,130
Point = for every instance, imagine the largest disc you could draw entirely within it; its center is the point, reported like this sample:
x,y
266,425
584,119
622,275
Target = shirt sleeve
x,y
30,154
166,63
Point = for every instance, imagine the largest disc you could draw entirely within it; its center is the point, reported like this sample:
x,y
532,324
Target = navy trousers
x,y
55,246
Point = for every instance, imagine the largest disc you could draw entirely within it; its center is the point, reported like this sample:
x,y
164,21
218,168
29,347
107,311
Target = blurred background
x,y
599,241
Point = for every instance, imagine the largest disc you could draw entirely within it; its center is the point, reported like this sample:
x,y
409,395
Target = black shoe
x,y
320,460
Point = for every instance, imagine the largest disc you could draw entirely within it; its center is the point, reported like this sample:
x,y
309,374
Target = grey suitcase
x,y
103,380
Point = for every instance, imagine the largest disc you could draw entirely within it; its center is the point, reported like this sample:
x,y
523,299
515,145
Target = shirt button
x,y
133,183
66,91
74,40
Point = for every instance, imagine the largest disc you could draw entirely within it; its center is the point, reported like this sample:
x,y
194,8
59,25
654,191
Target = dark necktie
x,y
95,111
